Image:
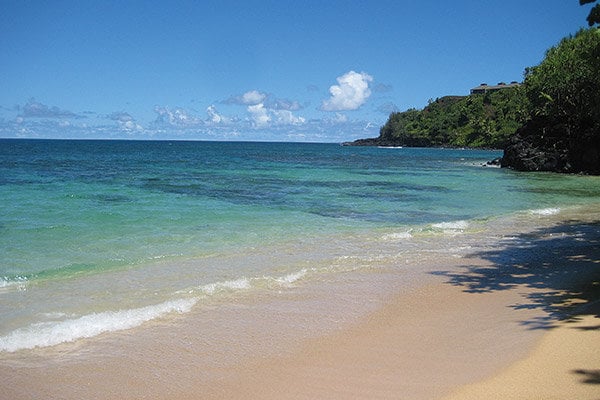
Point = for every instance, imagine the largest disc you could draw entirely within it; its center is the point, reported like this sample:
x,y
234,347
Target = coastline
x,y
446,341
421,345
468,319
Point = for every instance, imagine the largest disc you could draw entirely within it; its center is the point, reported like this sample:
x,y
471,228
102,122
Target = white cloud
x,y
250,98
286,117
350,93
132,126
283,104
263,117
253,97
215,117
265,110
35,109
260,115
126,121
177,117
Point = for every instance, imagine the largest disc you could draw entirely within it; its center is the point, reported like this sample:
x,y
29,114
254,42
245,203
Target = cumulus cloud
x,y
215,117
263,117
286,117
250,98
125,121
177,117
284,104
35,109
350,93
259,114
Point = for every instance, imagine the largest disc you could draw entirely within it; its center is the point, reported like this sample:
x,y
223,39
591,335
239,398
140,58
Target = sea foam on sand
x,y
46,334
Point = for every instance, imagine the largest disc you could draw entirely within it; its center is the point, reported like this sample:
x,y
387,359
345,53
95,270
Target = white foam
x,y
452,226
397,236
291,278
19,283
545,211
45,334
238,284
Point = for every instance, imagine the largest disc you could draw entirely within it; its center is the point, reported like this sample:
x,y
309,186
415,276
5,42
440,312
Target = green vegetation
x,y
566,85
594,16
563,131
477,120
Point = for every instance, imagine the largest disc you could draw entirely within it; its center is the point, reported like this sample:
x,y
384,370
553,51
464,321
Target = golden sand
x,y
564,365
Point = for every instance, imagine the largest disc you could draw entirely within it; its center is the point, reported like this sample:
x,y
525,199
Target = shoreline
x,y
466,319
459,331
421,345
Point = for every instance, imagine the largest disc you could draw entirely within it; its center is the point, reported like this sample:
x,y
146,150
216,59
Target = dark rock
x,y
496,162
363,142
547,145
373,142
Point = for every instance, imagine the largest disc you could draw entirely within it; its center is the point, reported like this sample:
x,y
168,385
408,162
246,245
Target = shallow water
x,y
101,237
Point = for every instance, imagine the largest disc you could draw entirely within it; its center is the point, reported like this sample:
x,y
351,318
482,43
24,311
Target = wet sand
x,y
481,320
420,346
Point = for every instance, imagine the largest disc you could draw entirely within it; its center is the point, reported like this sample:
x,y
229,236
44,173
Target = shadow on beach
x,y
559,268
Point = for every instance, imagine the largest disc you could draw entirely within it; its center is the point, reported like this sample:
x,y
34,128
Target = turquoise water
x,y
125,232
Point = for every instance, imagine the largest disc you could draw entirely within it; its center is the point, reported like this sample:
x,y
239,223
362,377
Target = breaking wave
x,y
44,334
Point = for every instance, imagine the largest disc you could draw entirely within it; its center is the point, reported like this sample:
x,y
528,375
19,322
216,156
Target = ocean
x,y
102,238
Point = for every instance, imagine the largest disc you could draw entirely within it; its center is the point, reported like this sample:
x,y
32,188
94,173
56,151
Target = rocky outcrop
x,y
546,145
373,142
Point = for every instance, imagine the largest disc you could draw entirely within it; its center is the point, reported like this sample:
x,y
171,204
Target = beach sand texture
x,y
481,319
564,365
468,332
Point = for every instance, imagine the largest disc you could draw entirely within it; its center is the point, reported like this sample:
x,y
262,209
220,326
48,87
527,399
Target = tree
x,y
565,86
594,15
563,133
477,120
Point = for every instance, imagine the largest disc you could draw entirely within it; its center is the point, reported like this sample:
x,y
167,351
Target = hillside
x,y
477,120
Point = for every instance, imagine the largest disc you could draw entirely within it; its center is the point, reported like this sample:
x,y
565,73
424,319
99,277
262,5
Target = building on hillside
x,y
485,88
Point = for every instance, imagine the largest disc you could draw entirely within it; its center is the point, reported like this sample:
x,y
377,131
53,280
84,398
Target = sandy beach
x,y
565,364
519,321
390,358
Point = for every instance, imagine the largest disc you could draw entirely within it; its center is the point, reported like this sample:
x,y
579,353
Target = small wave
x,y
397,236
545,211
45,334
452,226
291,278
16,282
238,284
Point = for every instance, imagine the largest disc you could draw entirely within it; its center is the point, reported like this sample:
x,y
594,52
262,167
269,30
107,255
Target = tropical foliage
x,y
594,16
477,120
564,88
566,84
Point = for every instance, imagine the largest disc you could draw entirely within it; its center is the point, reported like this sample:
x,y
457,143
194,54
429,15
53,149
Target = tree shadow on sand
x,y
561,264
591,377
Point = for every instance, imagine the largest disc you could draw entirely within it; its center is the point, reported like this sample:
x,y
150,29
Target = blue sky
x,y
321,71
